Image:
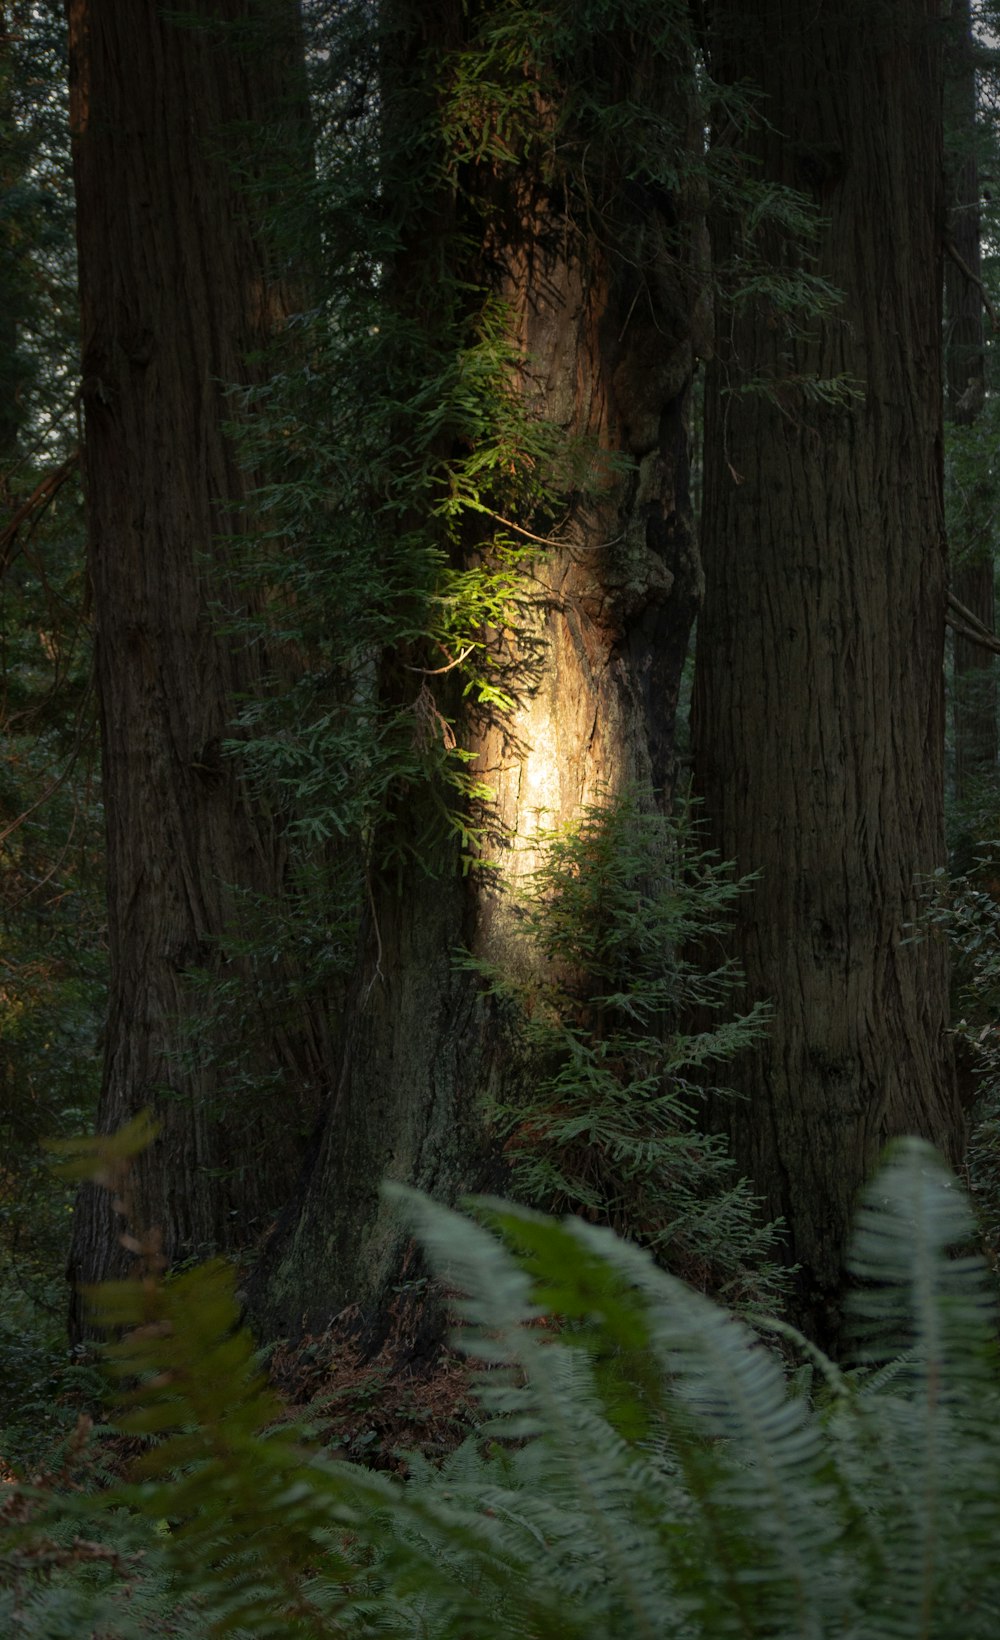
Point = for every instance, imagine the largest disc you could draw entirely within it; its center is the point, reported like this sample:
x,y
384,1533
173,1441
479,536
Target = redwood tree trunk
x,y
607,350
818,692
176,292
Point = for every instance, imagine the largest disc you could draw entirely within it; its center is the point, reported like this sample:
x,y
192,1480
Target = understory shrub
x,y
628,1006
646,1464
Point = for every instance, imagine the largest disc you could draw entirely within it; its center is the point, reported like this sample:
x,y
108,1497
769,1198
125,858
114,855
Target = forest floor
x,y
375,1409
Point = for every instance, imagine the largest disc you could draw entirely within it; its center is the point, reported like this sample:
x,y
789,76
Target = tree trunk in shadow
x,y
177,292
818,693
606,347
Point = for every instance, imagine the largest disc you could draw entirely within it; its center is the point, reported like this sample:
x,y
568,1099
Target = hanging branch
x,y
973,279
969,626
40,497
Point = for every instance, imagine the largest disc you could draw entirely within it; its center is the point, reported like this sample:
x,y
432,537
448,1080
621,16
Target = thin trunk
x,y
176,293
975,692
14,263
818,694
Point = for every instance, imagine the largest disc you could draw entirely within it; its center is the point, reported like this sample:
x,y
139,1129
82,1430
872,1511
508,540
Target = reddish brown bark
x,y
176,293
818,690
606,352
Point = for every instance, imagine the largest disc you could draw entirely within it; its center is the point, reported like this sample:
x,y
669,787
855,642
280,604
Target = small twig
x,y
40,497
965,614
377,973
985,640
548,541
436,671
508,524
973,279
629,314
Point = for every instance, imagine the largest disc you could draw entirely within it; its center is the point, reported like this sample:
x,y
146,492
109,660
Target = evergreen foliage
x,y
51,914
965,910
647,1466
37,284
408,483
410,487
625,1003
52,959
407,486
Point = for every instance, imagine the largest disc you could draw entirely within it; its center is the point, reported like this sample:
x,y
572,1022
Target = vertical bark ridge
x,y
818,693
177,291
605,352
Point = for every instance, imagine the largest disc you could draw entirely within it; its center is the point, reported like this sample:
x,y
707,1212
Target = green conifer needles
x,y
630,1007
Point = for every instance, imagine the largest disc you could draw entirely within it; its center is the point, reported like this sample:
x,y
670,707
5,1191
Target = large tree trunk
x,y
607,354
176,292
818,692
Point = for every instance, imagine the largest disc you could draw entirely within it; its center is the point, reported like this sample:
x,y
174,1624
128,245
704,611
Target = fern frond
x,y
249,1511
713,1506
924,1318
649,1470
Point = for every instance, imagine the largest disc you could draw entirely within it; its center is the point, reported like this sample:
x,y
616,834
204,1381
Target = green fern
x,y
704,1493
647,1468
923,1317
247,1513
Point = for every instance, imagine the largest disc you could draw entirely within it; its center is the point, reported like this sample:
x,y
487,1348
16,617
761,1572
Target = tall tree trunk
x,y
818,692
176,293
607,354
975,692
